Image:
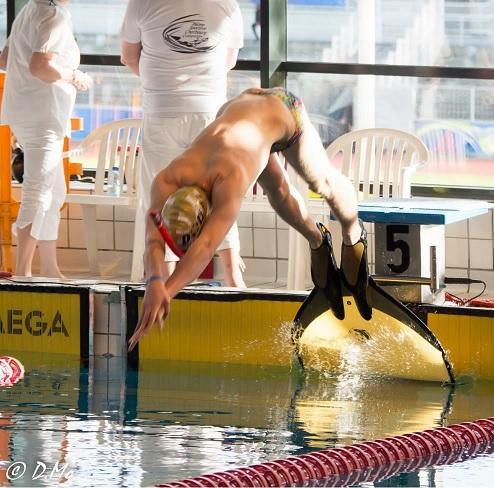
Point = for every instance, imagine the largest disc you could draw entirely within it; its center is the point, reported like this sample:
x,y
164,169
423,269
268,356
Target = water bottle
x,y
113,183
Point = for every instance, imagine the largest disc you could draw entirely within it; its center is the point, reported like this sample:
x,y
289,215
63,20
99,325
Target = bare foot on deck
x,y
52,273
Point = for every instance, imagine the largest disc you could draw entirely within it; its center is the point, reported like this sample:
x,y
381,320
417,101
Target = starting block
x,y
410,242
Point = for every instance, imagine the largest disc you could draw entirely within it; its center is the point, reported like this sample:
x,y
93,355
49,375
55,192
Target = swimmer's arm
x,y
154,253
156,302
283,196
227,199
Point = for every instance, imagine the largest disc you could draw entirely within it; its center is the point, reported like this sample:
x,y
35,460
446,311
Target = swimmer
x,y
240,147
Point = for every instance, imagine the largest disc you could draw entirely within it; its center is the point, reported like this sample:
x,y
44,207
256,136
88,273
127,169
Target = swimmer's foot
x,y
355,272
325,273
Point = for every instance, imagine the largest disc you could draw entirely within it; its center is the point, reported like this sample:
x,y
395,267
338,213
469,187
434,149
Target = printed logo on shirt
x,y
188,34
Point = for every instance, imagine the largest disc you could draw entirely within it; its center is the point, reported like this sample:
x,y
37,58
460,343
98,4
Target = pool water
x,y
103,425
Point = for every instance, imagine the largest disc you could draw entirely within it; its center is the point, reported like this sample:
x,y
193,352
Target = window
x,y
97,26
252,28
408,32
3,22
454,118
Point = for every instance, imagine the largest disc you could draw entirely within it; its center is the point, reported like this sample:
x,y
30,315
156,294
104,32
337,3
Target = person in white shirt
x,y
182,51
41,58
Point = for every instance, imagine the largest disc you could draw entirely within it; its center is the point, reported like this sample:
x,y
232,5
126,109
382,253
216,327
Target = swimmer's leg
x,y
287,201
309,159
325,274
355,273
290,206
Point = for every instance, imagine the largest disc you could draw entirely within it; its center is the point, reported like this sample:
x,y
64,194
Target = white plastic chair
x,y
117,146
380,162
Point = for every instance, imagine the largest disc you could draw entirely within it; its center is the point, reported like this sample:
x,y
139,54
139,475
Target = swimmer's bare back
x,y
270,116
238,140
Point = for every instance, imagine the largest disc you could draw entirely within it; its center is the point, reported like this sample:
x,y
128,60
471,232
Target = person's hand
x,y
155,308
82,81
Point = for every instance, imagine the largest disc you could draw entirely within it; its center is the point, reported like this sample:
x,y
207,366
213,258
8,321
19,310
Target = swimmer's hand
x,y
155,308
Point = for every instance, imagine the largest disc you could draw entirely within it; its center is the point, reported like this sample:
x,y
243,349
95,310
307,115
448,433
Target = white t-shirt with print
x,y
184,48
41,26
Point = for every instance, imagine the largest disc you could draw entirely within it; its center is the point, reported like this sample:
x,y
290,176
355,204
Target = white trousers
x,y
43,188
163,139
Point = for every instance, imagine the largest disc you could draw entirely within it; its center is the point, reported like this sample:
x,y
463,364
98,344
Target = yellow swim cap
x,y
184,214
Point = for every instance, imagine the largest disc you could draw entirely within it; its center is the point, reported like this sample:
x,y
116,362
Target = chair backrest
x,y
118,146
379,161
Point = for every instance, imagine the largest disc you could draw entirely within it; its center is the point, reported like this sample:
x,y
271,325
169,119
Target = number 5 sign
x,y
404,250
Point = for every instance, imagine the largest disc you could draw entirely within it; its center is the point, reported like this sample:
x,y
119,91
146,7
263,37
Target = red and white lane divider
x,y
11,371
362,461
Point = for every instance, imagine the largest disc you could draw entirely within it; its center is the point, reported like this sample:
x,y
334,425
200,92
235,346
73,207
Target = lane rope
x,y
363,461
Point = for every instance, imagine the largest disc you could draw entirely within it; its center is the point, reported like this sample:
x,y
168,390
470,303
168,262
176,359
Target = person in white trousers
x,y
41,58
182,51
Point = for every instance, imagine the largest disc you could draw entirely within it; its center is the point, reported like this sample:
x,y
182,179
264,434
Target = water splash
x,y
279,341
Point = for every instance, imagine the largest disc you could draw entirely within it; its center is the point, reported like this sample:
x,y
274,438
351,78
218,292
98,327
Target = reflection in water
x,y
176,420
354,407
